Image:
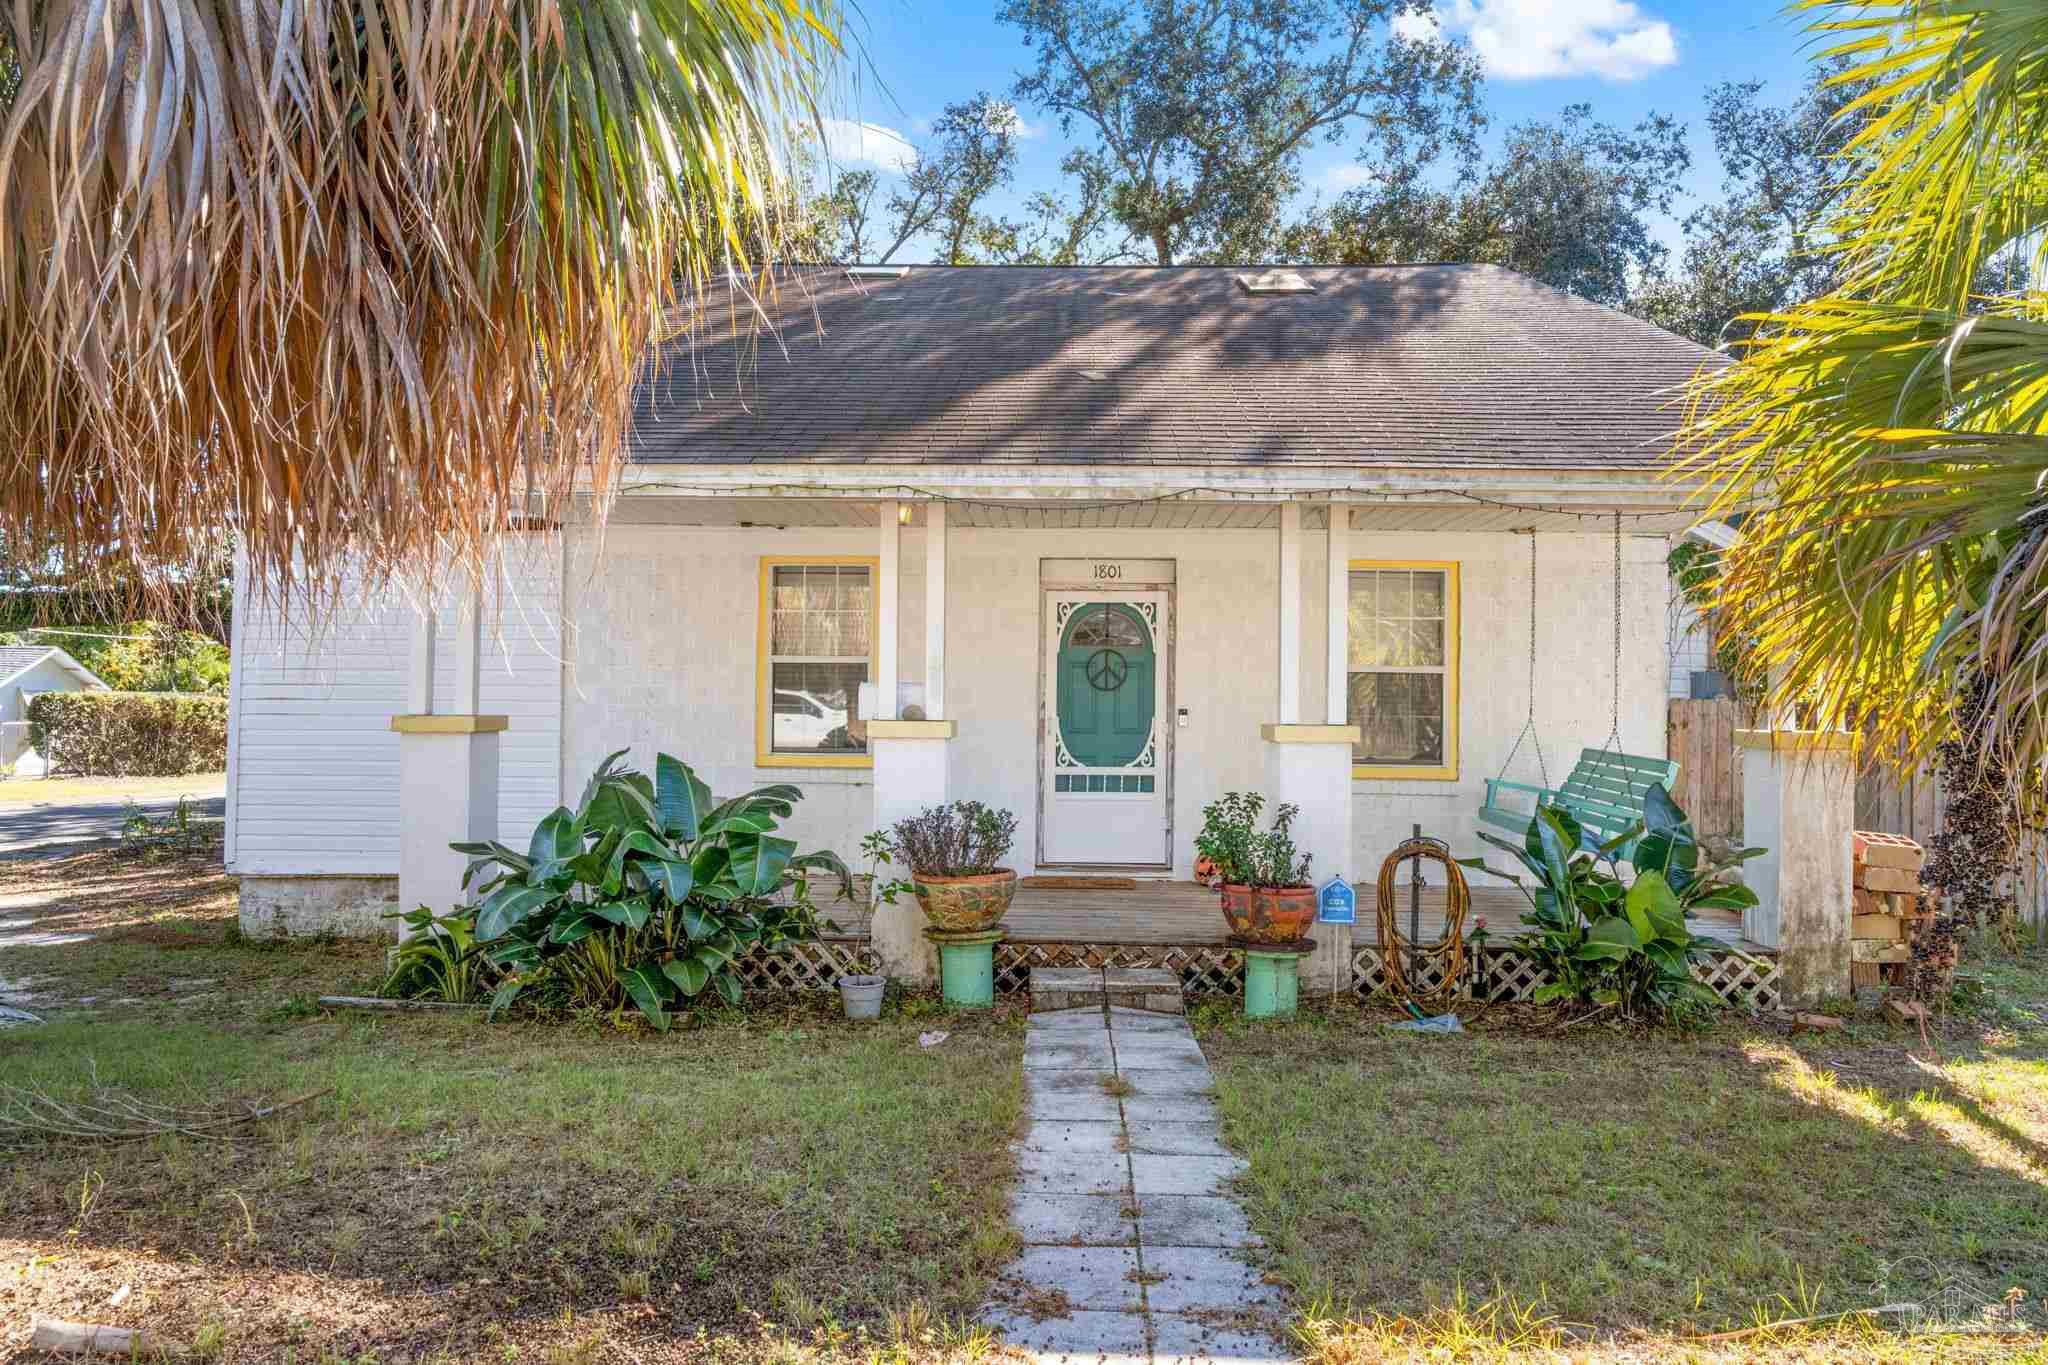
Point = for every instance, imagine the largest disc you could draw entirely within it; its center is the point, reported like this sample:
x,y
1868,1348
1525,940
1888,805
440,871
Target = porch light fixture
x,y
1274,282
876,272
903,514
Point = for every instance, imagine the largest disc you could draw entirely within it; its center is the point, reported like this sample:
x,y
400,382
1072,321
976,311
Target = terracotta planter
x,y
1268,914
964,904
1237,907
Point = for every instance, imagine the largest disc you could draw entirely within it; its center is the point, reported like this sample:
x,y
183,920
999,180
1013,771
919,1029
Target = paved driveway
x,y
27,826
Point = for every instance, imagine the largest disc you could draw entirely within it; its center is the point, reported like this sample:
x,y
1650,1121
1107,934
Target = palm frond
x,y
362,285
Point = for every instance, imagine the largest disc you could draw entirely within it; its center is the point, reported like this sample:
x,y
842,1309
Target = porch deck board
x,y
1184,913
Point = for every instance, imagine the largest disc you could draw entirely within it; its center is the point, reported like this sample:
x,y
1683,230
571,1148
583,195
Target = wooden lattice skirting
x,y
1497,974
1501,974
1204,969
813,966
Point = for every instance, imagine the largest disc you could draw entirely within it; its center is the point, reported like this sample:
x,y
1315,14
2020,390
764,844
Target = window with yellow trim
x,y
817,636
1403,669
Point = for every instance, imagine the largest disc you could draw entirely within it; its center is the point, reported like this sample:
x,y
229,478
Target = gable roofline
x,y
92,680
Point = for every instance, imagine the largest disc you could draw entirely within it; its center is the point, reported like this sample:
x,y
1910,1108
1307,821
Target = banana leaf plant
x,y
650,887
1616,944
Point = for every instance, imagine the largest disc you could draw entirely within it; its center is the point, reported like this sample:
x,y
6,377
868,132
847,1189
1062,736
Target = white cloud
x,y
867,144
1341,177
1523,40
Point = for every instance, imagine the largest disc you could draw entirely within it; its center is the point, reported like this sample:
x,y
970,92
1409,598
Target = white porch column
x,y
447,766
888,610
912,760
1290,613
1799,802
935,611
1337,620
1310,765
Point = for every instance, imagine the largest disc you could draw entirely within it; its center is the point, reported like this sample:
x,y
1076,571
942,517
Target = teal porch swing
x,y
1605,790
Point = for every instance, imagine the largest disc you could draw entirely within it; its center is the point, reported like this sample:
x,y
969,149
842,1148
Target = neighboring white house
x,y
1111,542
26,670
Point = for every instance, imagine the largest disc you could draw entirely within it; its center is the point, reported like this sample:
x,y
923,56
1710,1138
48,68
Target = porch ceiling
x,y
658,509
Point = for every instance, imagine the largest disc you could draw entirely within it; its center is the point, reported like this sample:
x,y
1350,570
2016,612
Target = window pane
x,y
1397,600
1429,593
820,611
1428,637
811,708
1400,716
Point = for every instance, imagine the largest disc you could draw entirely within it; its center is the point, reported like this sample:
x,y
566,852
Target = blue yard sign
x,y
1337,903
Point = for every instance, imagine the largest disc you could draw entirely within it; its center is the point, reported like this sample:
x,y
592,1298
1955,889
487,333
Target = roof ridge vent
x,y
1274,282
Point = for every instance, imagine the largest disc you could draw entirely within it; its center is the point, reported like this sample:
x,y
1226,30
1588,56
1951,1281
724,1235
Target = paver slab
x,y
1062,1023
1075,1135
1138,1050
1140,1108
1074,1219
1181,1340
1193,1220
1091,1103
1179,1078
1089,1277
1095,1336
1044,1052
1198,1137
1071,1172
1187,1279
1184,1174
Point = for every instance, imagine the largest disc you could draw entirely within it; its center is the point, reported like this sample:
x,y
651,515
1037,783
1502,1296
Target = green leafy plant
x,y
878,850
437,959
1275,862
963,839
1229,826
646,893
1620,945
1245,855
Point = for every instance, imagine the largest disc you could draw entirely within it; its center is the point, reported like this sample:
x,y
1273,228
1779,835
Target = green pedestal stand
x,y
967,966
1272,978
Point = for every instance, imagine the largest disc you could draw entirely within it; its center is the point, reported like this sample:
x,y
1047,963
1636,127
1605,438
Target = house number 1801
x,y
1109,571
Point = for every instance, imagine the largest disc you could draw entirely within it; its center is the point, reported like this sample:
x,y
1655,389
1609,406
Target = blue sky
x,y
1625,57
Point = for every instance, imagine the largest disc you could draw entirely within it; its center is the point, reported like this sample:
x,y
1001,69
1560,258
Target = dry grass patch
x,y
760,1185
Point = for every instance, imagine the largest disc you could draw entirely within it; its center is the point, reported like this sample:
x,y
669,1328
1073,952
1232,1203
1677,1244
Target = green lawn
x,y
463,1187
1647,1183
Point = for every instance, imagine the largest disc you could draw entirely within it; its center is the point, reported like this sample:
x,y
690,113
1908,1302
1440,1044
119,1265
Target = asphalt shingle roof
x,y
15,658
1431,365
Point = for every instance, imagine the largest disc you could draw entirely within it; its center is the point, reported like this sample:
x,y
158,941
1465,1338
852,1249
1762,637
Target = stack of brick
x,y
1887,910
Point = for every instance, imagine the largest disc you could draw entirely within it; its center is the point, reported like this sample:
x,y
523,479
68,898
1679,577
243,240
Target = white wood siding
x,y
313,763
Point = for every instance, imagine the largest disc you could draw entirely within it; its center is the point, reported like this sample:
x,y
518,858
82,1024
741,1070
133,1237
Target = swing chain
x,y
1529,727
1614,726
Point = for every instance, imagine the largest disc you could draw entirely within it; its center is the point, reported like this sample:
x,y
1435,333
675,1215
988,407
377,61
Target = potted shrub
x,y
1225,844
955,854
1267,896
1283,901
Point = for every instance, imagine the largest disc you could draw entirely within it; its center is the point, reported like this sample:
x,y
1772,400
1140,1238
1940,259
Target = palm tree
x,y
360,283
1889,441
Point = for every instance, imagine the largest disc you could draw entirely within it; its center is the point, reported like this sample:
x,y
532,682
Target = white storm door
x,y
1107,728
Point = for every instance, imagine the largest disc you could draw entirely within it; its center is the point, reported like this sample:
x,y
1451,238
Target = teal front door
x,y
1106,731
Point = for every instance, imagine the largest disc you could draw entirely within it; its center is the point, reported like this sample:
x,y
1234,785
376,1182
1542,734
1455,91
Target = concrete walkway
x,y
1134,1249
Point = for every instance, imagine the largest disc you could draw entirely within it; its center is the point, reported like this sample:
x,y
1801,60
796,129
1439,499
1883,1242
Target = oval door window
x,y
1106,692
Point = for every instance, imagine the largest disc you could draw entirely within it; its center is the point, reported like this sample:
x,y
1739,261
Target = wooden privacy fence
x,y
1701,737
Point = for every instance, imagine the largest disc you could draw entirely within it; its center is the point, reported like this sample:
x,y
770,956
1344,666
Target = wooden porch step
x,y
1090,988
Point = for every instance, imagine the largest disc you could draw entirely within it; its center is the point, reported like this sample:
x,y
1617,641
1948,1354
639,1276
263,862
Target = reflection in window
x,y
818,654
1102,624
1401,625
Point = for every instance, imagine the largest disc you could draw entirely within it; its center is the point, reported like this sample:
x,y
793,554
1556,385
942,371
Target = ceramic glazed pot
x,y
961,905
1269,915
1237,907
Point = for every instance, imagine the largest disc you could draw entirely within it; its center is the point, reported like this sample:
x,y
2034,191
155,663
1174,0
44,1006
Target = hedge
x,y
130,734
